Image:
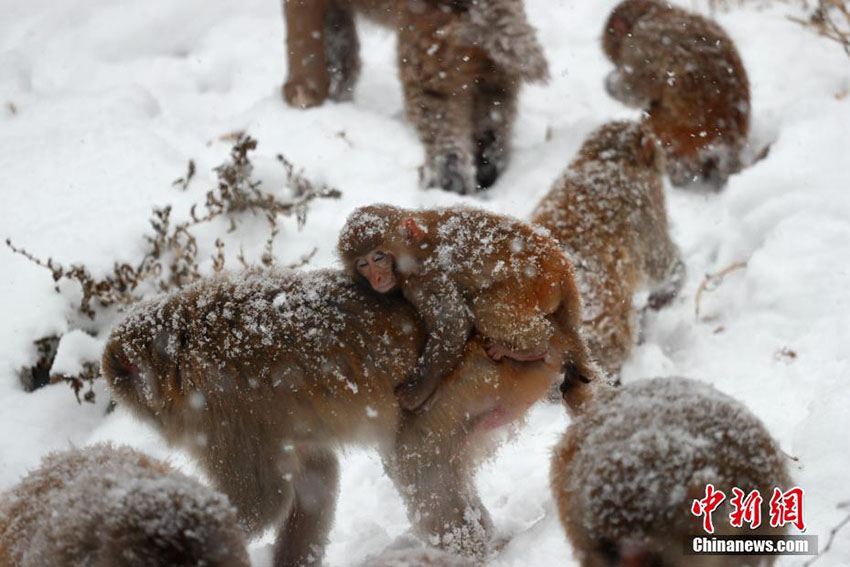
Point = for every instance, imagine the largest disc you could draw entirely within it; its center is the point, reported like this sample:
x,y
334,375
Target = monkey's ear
x,y
411,229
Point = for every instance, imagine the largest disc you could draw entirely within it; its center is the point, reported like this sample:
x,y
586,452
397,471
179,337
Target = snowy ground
x,y
102,102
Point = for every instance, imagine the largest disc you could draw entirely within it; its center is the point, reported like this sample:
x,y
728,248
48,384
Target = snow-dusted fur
x,y
627,470
501,28
103,506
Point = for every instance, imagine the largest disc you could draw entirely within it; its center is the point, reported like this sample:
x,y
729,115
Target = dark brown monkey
x,y
686,73
465,269
263,376
629,467
461,63
607,211
106,506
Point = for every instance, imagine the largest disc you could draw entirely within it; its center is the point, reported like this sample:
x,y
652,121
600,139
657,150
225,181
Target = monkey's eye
x,y
361,265
378,256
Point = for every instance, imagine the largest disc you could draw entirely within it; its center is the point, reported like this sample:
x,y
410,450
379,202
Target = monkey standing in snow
x,y
113,506
461,64
633,461
263,376
685,72
607,211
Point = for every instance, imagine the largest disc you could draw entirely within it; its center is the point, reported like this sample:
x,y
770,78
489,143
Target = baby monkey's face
x,y
378,266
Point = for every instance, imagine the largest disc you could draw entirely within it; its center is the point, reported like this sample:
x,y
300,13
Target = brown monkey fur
x,y
106,506
467,268
263,376
635,458
461,64
684,70
607,211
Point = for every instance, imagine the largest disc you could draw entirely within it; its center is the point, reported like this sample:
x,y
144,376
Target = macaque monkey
x,y
264,375
105,506
607,211
461,64
685,72
465,269
629,468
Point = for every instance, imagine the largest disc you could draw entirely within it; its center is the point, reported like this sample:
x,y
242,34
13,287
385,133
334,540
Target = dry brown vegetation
x,y
171,251
831,19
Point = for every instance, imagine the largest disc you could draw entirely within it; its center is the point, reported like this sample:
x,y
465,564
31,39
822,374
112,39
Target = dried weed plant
x,y
170,260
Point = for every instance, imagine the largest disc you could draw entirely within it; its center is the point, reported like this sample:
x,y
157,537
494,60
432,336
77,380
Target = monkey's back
x,y
607,211
477,250
62,513
629,467
697,73
315,343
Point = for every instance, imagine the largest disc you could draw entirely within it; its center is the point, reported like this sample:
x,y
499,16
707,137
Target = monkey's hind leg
x,y
665,268
342,50
515,329
304,534
308,80
438,80
493,118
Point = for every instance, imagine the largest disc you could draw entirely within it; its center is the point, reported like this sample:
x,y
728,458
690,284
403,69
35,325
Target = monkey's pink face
x,y
378,266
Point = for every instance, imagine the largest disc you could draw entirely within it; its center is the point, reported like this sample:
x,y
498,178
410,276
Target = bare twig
x,y
170,259
183,182
712,282
832,533
831,19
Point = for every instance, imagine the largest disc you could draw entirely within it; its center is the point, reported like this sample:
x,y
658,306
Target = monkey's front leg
x,y
494,113
309,80
439,84
448,323
303,536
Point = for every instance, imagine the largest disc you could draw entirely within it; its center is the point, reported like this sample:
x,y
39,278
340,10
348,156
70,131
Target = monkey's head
x,y
625,142
175,521
141,362
378,243
621,22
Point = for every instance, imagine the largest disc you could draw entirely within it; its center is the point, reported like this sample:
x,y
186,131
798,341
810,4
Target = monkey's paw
x,y
498,351
413,397
449,172
301,94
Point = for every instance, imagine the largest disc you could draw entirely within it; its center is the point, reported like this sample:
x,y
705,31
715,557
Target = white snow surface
x,y
102,103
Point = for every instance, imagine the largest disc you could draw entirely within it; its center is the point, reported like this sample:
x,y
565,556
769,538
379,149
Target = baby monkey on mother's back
x,y
463,269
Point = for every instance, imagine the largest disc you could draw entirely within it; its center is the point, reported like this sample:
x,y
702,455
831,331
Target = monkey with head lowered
x,y
607,211
465,269
105,506
685,72
461,63
263,376
633,461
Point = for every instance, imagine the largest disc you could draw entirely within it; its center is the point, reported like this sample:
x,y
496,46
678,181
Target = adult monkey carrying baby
x,y
262,376
461,63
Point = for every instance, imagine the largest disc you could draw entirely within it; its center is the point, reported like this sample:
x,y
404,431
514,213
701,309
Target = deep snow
x,y
112,97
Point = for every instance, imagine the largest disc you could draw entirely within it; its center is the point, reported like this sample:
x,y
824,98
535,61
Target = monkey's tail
x,y
501,28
